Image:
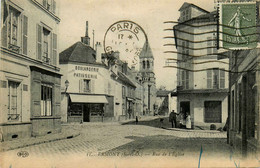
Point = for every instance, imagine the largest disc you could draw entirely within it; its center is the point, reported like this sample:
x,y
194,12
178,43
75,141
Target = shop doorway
x,y
86,113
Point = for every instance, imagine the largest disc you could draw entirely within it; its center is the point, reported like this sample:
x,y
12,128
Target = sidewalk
x,y
141,118
20,143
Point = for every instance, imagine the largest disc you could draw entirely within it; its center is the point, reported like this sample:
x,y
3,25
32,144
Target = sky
x,y
149,14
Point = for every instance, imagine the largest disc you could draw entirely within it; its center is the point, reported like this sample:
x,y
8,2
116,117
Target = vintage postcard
x,y
133,83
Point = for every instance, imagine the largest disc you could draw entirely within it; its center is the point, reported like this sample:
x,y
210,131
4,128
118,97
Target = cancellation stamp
x,y
127,38
238,22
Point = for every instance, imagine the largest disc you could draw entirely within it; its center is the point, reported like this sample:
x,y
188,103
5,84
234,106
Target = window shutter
x,y
80,85
39,42
183,51
44,2
187,79
51,48
209,45
222,78
209,78
4,33
92,86
183,78
25,34
54,53
53,6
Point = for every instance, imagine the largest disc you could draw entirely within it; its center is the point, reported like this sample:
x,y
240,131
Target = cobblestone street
x,y
126,141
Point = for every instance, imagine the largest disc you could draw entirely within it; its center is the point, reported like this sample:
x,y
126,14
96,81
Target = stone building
x,y
99,87
202,80
244,111
89,93
29,73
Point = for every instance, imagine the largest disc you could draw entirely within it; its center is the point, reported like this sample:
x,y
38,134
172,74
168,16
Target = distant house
x,y
165,102
98,87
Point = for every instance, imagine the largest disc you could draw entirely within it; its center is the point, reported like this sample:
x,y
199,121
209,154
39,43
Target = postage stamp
x,y
238,25
127,38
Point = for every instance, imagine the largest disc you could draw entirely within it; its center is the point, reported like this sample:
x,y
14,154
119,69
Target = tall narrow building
x,y
202,91
148,78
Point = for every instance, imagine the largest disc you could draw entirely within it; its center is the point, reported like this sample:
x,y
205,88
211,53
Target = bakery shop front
x,y
86,108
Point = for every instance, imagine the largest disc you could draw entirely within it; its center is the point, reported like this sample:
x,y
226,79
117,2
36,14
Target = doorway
x,y
185,108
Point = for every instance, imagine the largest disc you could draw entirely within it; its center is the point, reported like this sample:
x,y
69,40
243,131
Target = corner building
x,y
29,73
202,78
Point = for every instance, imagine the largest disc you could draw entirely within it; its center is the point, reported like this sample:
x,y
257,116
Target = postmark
x,y
23,154
127,38
238,22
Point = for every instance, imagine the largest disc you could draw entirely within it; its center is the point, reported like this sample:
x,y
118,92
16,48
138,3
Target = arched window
x,y
148,64
143,64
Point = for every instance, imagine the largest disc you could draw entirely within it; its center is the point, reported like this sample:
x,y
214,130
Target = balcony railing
x,y
46,59
12,117
13,47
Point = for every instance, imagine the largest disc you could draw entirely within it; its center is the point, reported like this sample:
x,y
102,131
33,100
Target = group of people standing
x,y
180,120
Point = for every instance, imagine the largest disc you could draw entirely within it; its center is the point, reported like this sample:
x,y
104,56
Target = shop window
x,y
13,100
75,110
46,100
212,113
96,109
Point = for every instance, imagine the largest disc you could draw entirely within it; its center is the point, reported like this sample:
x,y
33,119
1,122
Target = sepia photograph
x,y
129,83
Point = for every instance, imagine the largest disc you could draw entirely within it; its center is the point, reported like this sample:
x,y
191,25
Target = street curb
x,y
187,130
41,140
133,120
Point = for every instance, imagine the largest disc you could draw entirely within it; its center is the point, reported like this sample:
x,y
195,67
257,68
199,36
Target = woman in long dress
x,y
188,122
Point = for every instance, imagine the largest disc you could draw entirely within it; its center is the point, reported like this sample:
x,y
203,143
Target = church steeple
x,y
146,58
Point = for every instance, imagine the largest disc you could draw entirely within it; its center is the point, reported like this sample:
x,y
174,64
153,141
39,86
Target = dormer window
x,y
185,14
50,5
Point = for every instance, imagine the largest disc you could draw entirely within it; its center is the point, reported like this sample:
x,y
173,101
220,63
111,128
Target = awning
x,y
75,98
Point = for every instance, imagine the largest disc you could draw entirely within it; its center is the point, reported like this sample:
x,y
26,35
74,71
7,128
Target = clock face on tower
x,y
128,38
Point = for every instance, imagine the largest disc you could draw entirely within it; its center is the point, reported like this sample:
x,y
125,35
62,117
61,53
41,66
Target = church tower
x,y
148,78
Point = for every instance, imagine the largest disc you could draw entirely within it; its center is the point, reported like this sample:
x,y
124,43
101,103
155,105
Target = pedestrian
x,y
172,118
161,122
136,120
188,122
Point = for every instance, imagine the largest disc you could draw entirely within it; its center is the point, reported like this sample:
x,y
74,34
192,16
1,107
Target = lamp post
x,y
67,83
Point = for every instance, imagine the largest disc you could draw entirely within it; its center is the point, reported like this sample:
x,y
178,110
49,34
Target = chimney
x,y
116,54
98,52
86,39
